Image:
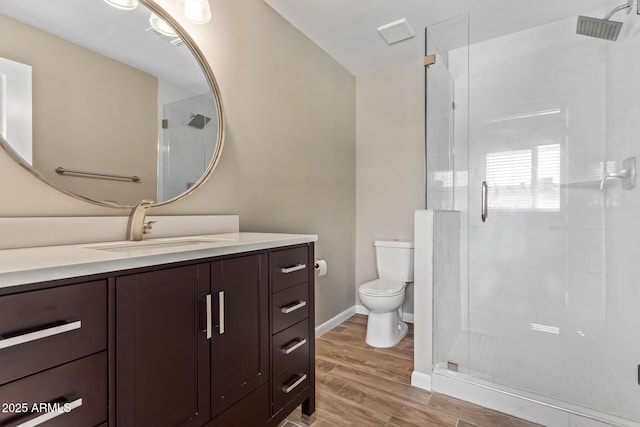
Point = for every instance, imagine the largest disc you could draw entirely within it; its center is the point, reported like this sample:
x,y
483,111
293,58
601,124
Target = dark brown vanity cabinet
x,y
271,373
162,355
219,342
53,353
240,339
191,341
292,330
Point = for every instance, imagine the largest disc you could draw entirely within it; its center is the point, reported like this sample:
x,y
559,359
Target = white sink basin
x,y
146,245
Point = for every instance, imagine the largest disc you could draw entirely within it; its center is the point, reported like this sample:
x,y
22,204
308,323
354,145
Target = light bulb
x,y
161,26
123,4
196,11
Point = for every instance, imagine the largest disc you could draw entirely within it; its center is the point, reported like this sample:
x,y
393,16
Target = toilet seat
x,y
382,288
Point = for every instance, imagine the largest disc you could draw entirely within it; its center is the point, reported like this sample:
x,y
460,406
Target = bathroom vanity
x,y
212,330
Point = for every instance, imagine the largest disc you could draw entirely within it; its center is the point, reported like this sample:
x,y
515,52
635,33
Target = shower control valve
x,y
627,175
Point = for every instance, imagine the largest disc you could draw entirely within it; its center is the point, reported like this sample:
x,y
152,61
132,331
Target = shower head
x,y
198,121
602,28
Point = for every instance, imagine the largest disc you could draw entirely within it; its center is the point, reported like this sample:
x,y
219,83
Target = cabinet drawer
x,y
82,384
290,345
252,410
290,383
46,328
289,267
290,306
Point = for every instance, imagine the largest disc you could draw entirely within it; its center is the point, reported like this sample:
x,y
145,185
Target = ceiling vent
x,y
176,41
396,31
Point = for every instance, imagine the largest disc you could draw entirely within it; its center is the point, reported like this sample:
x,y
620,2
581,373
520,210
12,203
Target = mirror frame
x,y
213,86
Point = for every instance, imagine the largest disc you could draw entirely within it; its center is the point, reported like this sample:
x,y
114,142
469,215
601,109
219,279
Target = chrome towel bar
x,y
63,171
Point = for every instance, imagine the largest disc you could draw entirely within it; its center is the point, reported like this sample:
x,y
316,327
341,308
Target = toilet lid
x,y
381,287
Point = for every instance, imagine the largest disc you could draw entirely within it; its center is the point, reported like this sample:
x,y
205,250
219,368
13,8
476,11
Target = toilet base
x,y
385,330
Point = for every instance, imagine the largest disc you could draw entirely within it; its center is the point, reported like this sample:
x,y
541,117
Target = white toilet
x,y
384,296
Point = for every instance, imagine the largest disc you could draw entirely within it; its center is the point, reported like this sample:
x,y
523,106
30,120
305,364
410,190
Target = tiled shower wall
x,y
550,279
622,228
539,257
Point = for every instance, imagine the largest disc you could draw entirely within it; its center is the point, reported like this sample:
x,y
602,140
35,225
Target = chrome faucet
x,y
136,226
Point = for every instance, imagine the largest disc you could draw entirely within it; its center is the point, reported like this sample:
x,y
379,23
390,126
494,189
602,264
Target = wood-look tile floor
x,y
358,385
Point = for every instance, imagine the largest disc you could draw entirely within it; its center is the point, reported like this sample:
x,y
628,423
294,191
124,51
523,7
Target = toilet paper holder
x,y
320,266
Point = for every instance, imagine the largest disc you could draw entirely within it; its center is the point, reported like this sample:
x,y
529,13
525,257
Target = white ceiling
x,y
117,34
346,29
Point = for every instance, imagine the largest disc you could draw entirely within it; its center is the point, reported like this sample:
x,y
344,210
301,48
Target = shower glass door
x,y
446,137
186,145
549,299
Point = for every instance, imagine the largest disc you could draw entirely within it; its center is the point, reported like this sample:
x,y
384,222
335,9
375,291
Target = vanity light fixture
x,y
161,26
123,4
195,11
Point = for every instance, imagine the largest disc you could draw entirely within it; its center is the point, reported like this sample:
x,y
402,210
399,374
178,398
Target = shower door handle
x,y
484,208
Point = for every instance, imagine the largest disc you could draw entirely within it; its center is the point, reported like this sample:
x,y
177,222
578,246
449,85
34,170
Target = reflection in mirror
x,y
86,87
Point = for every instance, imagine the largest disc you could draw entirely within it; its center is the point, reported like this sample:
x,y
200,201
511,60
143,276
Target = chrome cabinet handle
x,y
293,307
485,208
209,328
295,346
289,388
221,313
42,333
287,270
74,404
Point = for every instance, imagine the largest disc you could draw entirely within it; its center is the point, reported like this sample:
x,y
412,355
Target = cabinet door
x,y
239,346
161,351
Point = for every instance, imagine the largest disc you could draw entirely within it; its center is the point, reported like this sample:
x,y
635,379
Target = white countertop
x,y
40,264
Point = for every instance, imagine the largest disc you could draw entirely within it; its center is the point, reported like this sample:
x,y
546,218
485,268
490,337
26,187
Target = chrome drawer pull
x,y
221,313
288,389
53,414
295,346
209,316
298,267
42,333
295,306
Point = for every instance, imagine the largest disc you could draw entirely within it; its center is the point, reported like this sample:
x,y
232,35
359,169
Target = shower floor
x,y
550,368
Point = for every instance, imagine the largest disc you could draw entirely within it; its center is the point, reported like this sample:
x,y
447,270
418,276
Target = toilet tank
x,y
394,260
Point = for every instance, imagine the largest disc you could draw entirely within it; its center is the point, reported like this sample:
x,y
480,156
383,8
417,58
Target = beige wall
x,y
390,170
289,156
289,163
71,130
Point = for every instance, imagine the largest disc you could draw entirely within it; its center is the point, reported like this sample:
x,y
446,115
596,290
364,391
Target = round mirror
x,y
108,103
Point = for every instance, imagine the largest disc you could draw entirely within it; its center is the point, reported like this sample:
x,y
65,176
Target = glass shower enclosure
x,y
186,145
532,135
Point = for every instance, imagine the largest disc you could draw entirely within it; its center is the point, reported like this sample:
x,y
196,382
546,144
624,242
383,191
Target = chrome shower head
x,y
198,121
602,28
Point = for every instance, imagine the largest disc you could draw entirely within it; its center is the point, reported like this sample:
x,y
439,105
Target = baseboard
x,y
421,380
361,309
335,321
